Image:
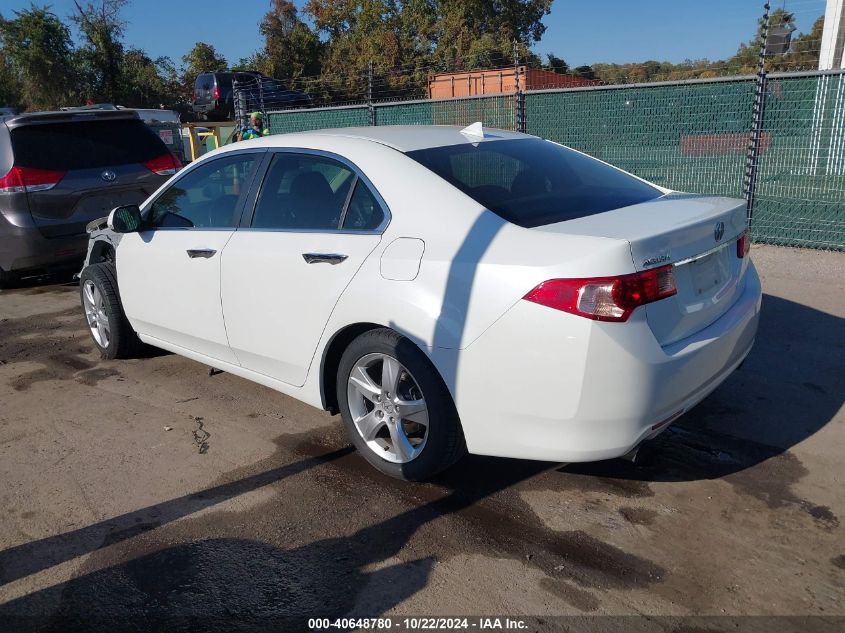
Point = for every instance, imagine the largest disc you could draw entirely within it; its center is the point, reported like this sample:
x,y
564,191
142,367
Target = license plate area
x,y
708,273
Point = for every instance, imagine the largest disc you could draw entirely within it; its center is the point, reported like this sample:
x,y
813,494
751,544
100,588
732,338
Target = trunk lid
x,y
696,234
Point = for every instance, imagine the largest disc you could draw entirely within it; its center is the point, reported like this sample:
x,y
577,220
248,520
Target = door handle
x,y
319,258
205,253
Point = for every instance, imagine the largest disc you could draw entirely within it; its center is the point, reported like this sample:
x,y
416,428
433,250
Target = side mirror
x,y
126,219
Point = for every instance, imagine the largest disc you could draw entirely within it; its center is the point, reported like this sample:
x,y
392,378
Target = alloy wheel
x,y
388,408
95,314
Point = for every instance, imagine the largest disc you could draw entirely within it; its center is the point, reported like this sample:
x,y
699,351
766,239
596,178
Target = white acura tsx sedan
x,y
444,289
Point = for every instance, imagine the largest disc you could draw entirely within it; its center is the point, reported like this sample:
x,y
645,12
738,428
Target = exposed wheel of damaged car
x,y
107,323
395,407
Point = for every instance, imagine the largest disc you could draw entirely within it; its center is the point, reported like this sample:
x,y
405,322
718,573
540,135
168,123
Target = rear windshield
x,y
204,82
532,182
85,145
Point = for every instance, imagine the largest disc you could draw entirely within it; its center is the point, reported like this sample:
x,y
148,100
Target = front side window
x,y
206,197
532,182
303,192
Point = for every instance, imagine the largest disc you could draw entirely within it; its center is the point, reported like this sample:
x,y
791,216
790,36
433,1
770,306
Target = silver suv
x,y
61,170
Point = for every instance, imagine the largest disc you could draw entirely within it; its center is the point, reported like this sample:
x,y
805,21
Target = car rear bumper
x,y
543,384
23,248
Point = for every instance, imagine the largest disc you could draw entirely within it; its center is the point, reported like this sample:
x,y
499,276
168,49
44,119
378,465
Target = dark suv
x,y
214,94
61,170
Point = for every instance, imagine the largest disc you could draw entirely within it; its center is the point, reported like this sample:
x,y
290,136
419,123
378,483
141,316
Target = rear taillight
x,y
216,92
164,165
29,179
606,298
742,245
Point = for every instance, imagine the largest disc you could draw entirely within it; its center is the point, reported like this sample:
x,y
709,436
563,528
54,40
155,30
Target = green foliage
x,y
37,51
101,56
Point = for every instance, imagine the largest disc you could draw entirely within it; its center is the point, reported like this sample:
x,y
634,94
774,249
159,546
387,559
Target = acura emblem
x,y
719,231
108,175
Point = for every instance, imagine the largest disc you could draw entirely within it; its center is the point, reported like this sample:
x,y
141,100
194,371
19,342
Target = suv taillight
x,y
29,179
743,244
164,165
606,298
216,92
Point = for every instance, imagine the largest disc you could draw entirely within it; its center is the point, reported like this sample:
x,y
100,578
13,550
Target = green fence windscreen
x,y
689,136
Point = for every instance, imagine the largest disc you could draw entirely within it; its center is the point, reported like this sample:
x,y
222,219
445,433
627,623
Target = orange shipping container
x,y
499,81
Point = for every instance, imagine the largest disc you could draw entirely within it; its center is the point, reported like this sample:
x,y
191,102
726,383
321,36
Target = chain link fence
x,y
688,136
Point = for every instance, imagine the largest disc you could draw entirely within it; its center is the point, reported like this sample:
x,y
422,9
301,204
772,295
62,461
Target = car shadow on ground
x,y
236,584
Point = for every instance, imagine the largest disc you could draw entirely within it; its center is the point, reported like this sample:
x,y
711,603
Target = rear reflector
x,y
29,179
164,165
606,298
742,245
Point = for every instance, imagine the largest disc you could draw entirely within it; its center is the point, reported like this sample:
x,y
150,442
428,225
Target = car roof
x,y
407,138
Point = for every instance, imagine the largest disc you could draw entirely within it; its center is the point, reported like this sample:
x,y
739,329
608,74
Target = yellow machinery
x,y
199,134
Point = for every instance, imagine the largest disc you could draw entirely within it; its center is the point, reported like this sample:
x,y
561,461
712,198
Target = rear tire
x,y
107,323
412,428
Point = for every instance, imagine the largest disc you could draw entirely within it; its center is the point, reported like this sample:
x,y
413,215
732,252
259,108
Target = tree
x,y
556,64
291,49
10,88
406,39
202,58
102,29
37,48
586,72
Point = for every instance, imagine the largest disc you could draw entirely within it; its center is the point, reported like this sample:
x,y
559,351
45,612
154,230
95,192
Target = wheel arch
x,y
101,251
331,361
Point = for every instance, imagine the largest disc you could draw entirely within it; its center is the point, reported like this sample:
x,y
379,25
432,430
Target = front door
x,y
169,272
314,223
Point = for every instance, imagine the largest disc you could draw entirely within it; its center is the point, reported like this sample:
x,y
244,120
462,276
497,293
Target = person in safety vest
x,y
255,129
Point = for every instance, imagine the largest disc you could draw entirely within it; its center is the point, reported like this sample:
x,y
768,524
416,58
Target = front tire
x,y
396,408
107,323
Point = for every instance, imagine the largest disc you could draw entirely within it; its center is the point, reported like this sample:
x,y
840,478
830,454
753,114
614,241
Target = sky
x,y
579,31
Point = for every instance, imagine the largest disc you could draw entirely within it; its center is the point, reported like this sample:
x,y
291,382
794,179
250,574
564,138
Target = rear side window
x,y
85,144
363,213
532,182
302,192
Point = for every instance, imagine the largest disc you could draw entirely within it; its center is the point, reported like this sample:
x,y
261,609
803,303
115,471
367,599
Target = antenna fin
x,y
476,130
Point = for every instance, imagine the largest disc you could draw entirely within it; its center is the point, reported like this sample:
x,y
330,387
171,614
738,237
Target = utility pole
x,y
758,117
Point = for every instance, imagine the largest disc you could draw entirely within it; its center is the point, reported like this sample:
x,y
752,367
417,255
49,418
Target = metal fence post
x,y
370,107
519,94
758,117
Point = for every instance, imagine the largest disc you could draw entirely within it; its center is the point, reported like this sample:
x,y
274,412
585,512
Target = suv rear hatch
x,y
696,234
86,165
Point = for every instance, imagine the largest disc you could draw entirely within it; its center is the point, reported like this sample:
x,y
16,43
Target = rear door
x,y
314,223
96,165
169,272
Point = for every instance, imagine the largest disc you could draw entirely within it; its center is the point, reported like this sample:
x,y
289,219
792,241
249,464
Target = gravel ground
x,y
144,491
